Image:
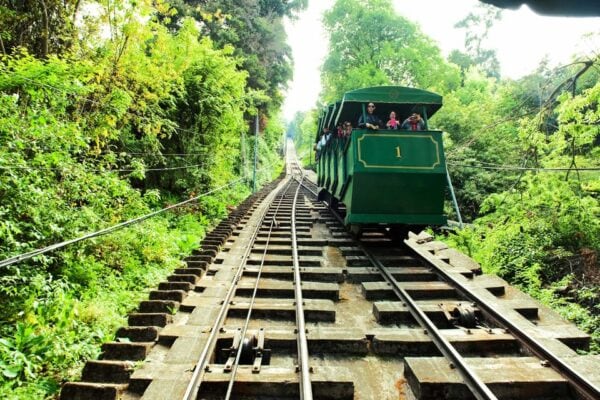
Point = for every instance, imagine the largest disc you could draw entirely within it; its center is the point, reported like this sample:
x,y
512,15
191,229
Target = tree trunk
x,y
46,30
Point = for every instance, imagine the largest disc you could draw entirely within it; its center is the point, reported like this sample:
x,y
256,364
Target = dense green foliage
x,y
543,233
255,30
537,228
371,45
108,113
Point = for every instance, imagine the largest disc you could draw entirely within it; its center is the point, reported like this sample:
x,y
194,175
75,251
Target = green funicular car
x,y
394,177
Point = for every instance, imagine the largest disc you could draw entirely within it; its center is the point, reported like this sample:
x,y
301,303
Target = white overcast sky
x,y
521,40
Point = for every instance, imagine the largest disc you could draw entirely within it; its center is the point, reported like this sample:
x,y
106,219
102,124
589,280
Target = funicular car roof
x,y
327,117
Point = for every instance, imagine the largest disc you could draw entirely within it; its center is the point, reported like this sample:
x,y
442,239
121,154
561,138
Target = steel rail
x,y
581,384
191,392
307,188
301,340
479,389
253,298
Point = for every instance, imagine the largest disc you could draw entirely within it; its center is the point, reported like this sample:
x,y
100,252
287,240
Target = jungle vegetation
x,y
111,110
523,155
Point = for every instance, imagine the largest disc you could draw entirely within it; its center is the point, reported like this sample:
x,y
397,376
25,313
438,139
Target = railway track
x,y
282,303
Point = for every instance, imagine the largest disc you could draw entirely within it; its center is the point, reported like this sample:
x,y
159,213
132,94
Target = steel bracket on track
x,y
253,351
459,315
260,353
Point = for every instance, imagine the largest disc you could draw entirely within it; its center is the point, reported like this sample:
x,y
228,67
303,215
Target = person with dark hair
x,y
414,123
371,121
347,129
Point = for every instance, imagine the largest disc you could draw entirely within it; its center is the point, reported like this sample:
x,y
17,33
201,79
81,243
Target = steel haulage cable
x,y
33,253
28,255
193,387
517,168
34,168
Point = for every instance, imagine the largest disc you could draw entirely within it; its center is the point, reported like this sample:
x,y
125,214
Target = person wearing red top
x,y
414,123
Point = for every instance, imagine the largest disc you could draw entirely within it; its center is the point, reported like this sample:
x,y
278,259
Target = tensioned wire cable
x,y
516,168
85,99
489,166
238,354
141,153
102,232
6,167
31,254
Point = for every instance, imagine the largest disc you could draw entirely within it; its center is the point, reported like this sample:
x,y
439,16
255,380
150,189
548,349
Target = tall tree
x,y
369,44
41,26
255,29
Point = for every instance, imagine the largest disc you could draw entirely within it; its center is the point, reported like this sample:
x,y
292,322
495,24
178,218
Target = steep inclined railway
x,y
281,302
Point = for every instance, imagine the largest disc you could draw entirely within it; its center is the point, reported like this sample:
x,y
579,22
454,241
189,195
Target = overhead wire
x,y
134,153
517,168
90,101
5,167
527,97
85,99
102,232
37,252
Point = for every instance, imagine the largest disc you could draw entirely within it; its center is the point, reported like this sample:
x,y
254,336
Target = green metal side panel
x,y
341,167
400,151
326,158
410,198
333,162
390,177
396,177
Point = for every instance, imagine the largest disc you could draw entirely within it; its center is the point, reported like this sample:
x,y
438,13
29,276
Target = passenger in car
x,y
414,123
393,123
347,129
321,142
371,121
